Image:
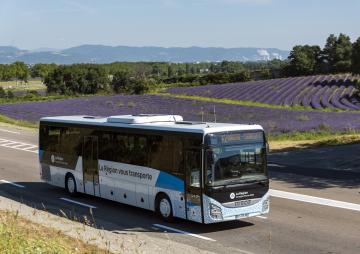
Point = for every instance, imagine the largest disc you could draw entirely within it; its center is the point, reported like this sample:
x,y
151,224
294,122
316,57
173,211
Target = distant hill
x,y
108,54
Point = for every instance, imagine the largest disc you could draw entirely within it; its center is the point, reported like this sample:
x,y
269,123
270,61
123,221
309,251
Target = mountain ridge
x,y
90,53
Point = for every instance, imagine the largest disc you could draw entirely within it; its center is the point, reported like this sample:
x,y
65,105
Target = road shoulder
x,y
119,242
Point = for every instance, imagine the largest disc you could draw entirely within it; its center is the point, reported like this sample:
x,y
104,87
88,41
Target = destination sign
x,y
234,138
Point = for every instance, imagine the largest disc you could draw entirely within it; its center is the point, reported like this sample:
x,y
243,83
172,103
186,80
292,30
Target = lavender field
x,y
317,92
275,121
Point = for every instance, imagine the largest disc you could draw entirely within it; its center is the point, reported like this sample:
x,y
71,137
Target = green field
x,y
21,86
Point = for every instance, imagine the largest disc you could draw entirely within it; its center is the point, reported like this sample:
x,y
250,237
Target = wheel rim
x,y
71,185
165,208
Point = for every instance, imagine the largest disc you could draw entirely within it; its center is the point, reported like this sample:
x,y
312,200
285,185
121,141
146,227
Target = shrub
x,y
2,93
10,94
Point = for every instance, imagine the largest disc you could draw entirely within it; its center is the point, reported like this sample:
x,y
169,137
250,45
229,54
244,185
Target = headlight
x,y
265,205
215,212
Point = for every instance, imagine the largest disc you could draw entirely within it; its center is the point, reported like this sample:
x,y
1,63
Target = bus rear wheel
x,y
70,185
164,208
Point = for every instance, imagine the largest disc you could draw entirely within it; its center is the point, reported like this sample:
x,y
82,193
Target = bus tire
x,y
164,207
70,185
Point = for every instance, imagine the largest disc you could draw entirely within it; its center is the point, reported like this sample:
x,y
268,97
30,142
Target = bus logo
x,y
232,195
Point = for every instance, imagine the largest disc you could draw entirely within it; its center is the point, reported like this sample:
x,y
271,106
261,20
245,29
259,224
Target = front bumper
x,y
235,213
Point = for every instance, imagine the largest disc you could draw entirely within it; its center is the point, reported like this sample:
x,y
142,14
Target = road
x,y
295,224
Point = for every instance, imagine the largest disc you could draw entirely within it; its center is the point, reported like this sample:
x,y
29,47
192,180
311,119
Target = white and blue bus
x,y
203,172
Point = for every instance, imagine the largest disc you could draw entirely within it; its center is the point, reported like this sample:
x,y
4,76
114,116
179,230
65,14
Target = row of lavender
x,y
274,121
318,92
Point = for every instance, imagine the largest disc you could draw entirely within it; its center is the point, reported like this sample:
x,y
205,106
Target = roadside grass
x,y
298,141
21,123
18,235
248,103
33,98
50,97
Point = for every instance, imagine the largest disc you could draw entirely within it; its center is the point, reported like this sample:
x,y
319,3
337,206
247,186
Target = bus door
x,y
91,166
193,194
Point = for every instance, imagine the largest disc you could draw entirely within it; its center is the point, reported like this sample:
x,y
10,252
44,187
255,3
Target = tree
x,y
41,70
77,78
328,54
355,63
21,71
7,72
10,94
54,81
120,82
336,55
304,60
156,70
170,71
343,53
187,68
138,86
2,92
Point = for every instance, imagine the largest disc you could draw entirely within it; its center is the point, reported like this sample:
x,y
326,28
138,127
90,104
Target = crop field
x,y
330,92
275,121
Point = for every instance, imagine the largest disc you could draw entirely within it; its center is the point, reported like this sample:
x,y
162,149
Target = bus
x,y
205,172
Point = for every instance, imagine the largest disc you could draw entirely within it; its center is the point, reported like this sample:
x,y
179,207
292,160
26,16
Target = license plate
x,y
243,203
241,216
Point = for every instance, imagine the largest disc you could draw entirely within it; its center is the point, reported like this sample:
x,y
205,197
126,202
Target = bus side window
x,y
121,148
54,139
106,147
160,153
139,152
166,153
70,141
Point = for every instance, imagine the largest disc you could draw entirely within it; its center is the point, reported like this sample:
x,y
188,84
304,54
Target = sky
x,y
33,24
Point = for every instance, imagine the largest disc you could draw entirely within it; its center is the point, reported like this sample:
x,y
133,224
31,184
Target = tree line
x,y
339,55
94,78
121,77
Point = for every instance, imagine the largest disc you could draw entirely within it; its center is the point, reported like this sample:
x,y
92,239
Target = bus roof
x,y
152,122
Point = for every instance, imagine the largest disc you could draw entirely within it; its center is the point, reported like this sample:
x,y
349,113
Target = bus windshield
x,y
239,162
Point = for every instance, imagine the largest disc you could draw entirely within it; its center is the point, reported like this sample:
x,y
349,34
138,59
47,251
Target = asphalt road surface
x,y
315,205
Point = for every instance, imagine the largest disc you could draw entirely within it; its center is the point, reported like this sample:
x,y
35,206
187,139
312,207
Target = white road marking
x,y
14,132
28,148
18,145
275,165
261,217
8,143
184,232
314,200
78,203
11,183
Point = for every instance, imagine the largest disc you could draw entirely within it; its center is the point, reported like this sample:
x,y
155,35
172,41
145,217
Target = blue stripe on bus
x,y
171,182
41,154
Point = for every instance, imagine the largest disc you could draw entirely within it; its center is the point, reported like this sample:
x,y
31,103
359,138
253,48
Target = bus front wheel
x,y
70,185
164,207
